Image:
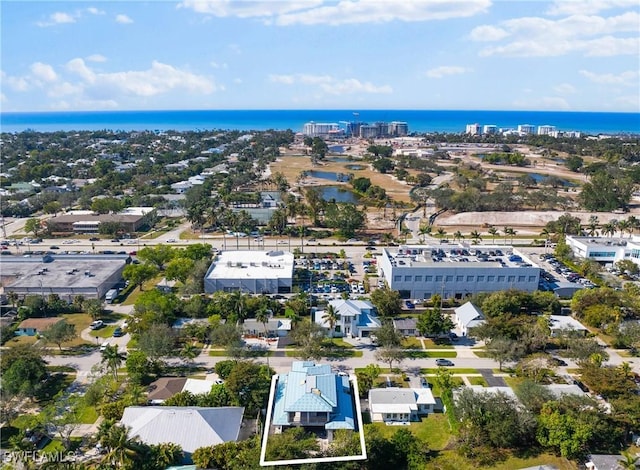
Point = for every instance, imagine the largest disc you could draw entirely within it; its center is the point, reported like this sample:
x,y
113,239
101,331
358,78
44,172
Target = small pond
x,y
328,175
540,179
339,194
355,167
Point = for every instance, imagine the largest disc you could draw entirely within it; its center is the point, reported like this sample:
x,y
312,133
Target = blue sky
x,y
317,54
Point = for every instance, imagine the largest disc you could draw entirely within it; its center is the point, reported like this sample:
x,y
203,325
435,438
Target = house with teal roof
x,y
313,397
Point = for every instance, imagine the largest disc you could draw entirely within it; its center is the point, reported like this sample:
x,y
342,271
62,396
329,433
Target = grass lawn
x,y
514,381
21,340
135,293
411,343
434,430
435,389
338,342
478,381
451,460
87,414
81,321
104,332
480,353
440,344
412,354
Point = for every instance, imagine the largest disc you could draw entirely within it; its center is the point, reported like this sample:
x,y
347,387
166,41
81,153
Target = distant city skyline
x,y
315,54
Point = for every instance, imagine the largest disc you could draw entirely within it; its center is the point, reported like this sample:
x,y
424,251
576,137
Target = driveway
x,y
492,380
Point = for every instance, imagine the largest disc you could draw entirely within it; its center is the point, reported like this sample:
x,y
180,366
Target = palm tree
x,y
189,352
634,224
262,315
609,229
424,231
122,451
630,461
592,226
493,232
476,237
113,358
506,232
623,226
441,232
238,303
458,236
331,317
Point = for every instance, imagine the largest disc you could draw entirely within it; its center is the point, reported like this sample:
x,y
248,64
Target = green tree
x,y
113,359
390,355
93,307
23,371
179,269
249,384
158,341
158,255
293,443
139,368
308,338
387,301
138,274
59,333
111,229
503,350
344,217
387,336
33,226
122,451
432,322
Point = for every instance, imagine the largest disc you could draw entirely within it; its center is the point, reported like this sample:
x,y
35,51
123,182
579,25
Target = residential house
x,y
35,326
605,462
467,316
313,397
395,404
275,327
559,324
405,326
191,427
356,318
166,387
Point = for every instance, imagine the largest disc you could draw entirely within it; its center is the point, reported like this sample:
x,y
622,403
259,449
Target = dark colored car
x,y
54,247
424,383
94,239
409,305
444,362
118,332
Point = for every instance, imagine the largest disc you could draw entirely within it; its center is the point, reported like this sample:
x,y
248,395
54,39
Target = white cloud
x,y
216,65
96,58
57,18
587,7
331,85
248,9
123,19
309,12
541,37
64,89
488,33
160,78
564,89
43,72
628,78
95,11
445,70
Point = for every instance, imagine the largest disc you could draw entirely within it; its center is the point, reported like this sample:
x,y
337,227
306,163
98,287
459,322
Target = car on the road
x,y
94,239
104,345
96,325
116,240
370,248
444,362
558,362
54,247
171,240
409,304
118,332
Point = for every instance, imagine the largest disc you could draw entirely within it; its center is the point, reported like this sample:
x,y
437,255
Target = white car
x,y
104,345
96,325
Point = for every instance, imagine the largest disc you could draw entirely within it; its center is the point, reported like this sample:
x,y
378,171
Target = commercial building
x,y
473,129
456,271
255,272
605,250
65,275
490,129
131,220
320,129
546,130
526,129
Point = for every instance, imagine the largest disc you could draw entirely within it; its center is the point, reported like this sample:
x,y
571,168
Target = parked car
x,y
118,332
424,383
104,345
444,362
94,239
54,247
96,325
409,305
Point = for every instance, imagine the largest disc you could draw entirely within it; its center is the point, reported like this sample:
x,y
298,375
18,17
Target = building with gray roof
x,y
468,316
65,275
400,404
456,271
191,427
356,318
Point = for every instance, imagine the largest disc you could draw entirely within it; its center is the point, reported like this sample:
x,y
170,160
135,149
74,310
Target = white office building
x,y
490,129
254,272
473,129
546,130
525,129
456,271
320,129
605,250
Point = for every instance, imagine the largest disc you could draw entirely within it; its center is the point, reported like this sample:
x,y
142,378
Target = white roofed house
x,y
191,427
467,316
275,327
559,324
356,318
395,404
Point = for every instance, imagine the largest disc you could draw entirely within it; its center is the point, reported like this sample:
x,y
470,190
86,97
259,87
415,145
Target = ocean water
x,y
260,120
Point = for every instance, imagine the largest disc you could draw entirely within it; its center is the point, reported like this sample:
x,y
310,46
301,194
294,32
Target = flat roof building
x,y
255,272
65,275
457,272
605,249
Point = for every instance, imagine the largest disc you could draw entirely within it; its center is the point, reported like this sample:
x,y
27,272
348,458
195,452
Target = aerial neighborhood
x,y
346,297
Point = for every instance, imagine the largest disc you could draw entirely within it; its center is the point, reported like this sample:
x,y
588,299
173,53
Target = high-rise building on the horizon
x,y
546,130
319,129
490,129
525,129
473,129
398,128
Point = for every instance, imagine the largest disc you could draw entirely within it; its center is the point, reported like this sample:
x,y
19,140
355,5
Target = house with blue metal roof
x,y
314,397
